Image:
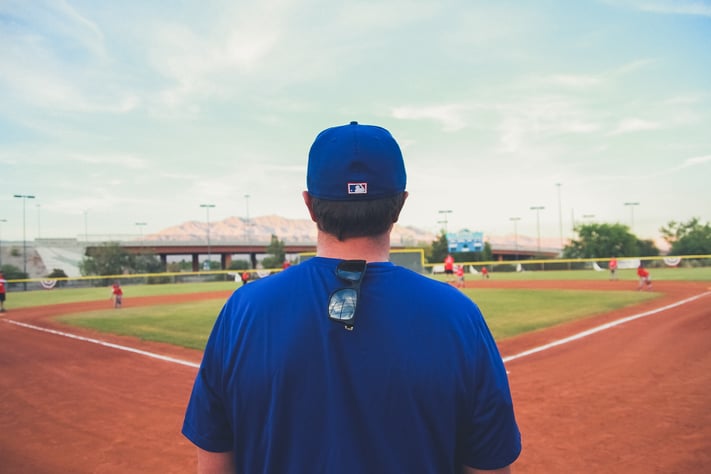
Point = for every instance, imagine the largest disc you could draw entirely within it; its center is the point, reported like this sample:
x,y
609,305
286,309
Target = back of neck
x,y
370,249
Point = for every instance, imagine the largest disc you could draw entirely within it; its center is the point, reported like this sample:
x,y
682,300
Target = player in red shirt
x,y
613,268
484,272
3,283
449,267
645,281
460,276
117,294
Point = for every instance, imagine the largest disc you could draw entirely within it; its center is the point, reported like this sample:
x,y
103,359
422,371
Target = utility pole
x,y
515,221
24,198
209,255
538,210
632,206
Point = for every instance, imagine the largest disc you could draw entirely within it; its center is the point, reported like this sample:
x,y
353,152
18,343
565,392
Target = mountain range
x,y
260,229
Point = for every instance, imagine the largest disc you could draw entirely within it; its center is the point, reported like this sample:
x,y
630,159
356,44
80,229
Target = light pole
x,y
445,212
24,198
209,254
39,235
140,226
632,205
246,220
1,221
86,226
538,210
560,216
515,221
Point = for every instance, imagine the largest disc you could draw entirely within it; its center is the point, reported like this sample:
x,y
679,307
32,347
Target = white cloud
x,y
697,160
449,116
631,125
573,80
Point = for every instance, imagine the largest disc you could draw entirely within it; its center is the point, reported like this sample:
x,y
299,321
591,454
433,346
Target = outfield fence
x,y
410,258
597,264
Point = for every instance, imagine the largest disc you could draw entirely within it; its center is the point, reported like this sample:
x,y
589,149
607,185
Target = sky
x,y
122,118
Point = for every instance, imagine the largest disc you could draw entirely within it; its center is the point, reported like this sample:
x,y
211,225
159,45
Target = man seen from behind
x,y
347,363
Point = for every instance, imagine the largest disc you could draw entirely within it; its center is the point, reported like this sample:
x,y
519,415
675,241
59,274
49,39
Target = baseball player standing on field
x,y
347,363
3,292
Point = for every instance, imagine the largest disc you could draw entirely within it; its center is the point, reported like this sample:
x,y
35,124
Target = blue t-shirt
x,y
417,386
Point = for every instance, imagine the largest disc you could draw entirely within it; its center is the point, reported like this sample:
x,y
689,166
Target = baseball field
x,y
604,378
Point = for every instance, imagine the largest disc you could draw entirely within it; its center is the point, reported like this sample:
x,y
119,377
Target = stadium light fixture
x,y
632,206
444,220
39,222
24,198
209,254
538,210
140,226
247,224
515,221
86,226
560,216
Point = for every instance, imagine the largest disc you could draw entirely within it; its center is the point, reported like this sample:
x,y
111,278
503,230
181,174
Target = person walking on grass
x,y
449,267
460,276
613,268
347,363
117,294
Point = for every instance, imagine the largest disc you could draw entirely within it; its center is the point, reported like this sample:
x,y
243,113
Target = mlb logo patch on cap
x,y
355,162
357,188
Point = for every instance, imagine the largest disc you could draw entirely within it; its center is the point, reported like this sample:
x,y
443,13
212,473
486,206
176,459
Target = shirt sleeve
x,y
492,439
206,421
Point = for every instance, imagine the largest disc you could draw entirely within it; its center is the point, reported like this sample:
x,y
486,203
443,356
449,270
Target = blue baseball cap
x,y
355,162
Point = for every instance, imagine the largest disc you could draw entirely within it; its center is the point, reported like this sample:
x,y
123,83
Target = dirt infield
x,y
634,398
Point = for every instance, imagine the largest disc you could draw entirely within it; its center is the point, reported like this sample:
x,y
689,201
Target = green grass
x,y
508,313
658,274
23,299
20,299
187,325
513,312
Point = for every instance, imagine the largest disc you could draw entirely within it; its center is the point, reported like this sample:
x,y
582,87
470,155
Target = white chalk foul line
x,y
520,355
602,327
105,344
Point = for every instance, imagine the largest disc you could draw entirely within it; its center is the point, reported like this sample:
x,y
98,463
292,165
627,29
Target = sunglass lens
x,y
342,304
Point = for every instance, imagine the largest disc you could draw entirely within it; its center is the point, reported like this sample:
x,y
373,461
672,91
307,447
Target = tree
x,y
109,259
145,263
276,253
239,265
605,241
57,273
11,272
688,238
112,259
439,249
647,248
181,266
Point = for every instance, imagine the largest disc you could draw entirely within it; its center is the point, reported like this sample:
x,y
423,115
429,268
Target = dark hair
x,y
347,219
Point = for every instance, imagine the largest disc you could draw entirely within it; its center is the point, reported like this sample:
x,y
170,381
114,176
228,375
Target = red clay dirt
x,y
635,398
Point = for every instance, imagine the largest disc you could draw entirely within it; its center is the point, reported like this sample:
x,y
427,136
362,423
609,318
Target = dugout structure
x,y
414,259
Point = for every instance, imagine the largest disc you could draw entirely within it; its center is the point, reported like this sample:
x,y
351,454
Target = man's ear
x,y
307,201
